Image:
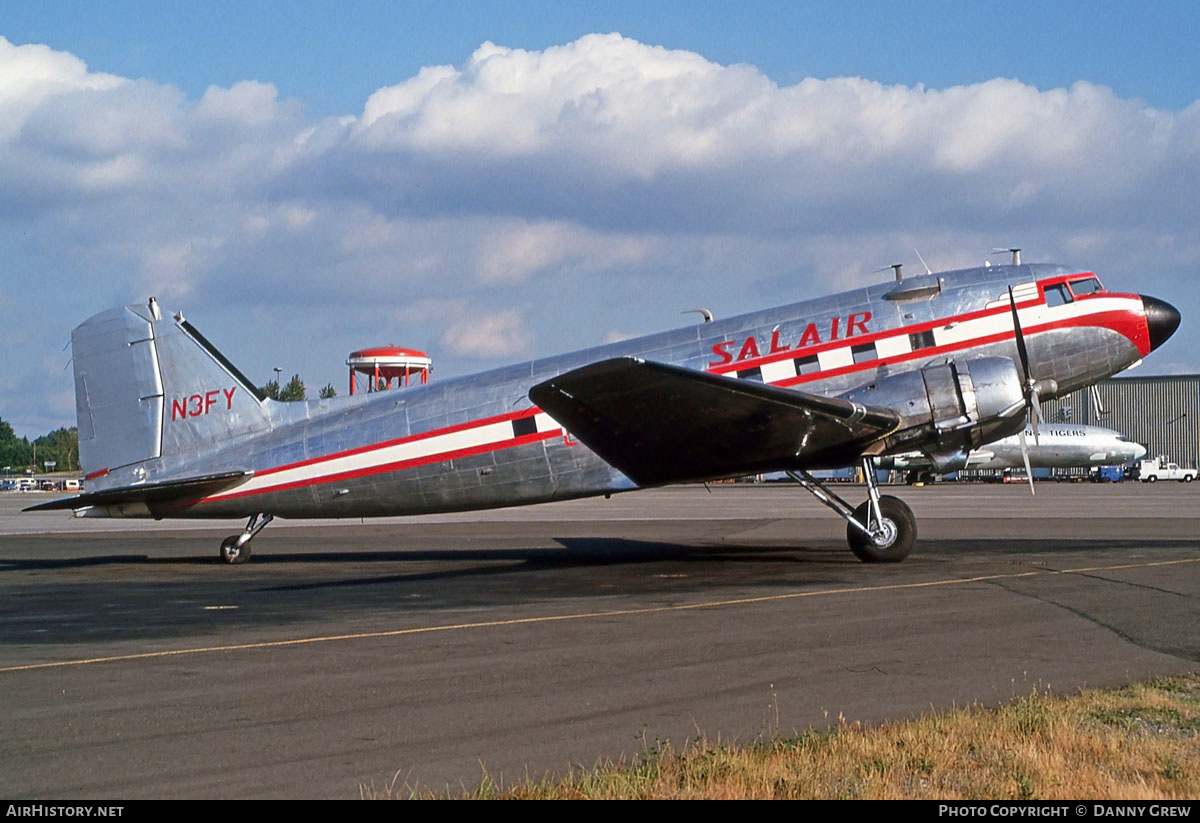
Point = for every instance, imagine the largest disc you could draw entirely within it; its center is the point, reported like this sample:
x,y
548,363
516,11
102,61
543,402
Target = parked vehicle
x,y
1107,474
1161,468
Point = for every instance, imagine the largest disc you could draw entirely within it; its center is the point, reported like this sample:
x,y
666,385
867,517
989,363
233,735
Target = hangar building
x,y
1162,413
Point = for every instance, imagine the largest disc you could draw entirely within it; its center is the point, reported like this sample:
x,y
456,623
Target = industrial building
x,y
1160,412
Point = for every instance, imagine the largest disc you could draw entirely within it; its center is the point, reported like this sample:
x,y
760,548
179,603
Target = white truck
x,y
1160,468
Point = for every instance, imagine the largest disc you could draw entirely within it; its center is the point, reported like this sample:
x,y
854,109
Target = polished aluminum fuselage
x,y
477,441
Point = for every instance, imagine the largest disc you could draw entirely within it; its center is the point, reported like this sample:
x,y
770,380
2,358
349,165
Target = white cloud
x,y
616,336
600,184
501,334
32,74
511,251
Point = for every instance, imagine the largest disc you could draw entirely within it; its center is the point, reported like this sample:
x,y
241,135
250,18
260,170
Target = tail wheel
x,y
232,553
893,540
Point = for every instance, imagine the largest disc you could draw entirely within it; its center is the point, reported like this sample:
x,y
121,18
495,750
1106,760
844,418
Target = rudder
x,y
148,388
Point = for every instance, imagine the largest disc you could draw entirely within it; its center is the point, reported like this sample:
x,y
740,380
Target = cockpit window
x,y
1058,295
1088,285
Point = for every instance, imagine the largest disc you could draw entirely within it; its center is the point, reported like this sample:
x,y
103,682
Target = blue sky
x,y
307,178
333,55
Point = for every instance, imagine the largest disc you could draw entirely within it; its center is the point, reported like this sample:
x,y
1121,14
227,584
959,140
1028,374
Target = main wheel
x,y
896,537
232,553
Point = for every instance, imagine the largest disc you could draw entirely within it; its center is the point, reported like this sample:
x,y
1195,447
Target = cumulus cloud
x,y
673,141
31,75
502,334
599,184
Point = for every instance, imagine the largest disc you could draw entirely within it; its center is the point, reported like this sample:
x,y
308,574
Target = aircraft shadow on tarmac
x,y
570,552
114,597
603,551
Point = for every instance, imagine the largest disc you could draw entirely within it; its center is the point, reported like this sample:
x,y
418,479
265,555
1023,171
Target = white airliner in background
x,y
1058,446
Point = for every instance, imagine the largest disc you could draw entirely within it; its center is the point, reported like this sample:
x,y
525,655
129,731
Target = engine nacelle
x,y
948,409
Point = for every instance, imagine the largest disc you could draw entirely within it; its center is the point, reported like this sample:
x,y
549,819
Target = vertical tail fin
x,y
149,387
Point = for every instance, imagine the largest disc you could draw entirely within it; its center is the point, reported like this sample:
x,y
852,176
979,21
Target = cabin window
x,y
807,365
1057,295
863,352
921,340
1089,285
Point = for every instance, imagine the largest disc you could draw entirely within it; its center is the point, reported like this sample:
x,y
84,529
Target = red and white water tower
x,y
382,364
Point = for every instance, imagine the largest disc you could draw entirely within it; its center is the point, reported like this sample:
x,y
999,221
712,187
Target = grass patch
x,y
1139,742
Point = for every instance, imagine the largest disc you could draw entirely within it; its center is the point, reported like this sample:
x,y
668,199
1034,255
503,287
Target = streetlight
x,y
278,381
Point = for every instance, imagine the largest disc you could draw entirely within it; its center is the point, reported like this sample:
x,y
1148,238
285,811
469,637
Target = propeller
x,y
1032,402
1025,457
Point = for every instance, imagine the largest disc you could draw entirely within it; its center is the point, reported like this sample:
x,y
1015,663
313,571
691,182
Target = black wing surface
x,y
665,424
152,494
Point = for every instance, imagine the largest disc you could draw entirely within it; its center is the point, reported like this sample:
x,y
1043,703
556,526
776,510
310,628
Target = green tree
x,y
271,389
294,390
60,446
328,391
14,451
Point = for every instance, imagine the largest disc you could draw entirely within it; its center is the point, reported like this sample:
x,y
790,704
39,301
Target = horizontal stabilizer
x,y
665,424
152,494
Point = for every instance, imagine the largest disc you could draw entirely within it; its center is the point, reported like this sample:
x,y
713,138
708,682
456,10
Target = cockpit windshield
x,y
1086,285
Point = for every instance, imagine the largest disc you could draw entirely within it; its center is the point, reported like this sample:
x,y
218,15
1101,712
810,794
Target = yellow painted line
x,y
558,618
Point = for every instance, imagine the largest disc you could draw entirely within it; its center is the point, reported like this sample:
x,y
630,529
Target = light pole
x,y
278,381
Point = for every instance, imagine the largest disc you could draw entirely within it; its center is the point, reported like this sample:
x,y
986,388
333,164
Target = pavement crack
x,y
1132,584
1090,618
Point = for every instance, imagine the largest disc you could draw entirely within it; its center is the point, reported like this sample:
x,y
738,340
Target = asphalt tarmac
x,y
431,651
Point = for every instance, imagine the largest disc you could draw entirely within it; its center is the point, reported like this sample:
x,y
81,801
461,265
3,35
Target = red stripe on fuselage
x,y
1139,336
933,351
399,441
383,468
863,339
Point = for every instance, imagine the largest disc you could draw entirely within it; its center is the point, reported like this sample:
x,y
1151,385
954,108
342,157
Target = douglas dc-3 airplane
x,y
1060,446
939,363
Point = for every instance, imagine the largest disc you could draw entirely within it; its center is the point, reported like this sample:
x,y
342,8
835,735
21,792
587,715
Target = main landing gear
x,y
881,530
236,548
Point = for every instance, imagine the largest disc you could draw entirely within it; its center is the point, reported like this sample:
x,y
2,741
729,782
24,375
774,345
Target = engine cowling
x,y
948,409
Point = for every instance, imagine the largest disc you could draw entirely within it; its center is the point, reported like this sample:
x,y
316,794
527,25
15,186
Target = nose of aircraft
x,y
1162,319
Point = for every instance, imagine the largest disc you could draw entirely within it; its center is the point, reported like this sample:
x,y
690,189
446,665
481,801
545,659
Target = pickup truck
x,y
1160,468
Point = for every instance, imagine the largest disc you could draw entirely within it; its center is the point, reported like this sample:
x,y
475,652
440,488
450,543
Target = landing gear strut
x,y
236,548
881,530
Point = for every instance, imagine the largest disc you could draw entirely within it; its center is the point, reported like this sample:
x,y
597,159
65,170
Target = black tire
x,y
895,511
1152,478
1187,478
233,554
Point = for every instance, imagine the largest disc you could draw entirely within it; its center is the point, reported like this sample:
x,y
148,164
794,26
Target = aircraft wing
x,y
152,494
665,424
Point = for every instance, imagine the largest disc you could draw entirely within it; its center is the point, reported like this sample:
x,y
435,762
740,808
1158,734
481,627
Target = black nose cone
x,y
1162,319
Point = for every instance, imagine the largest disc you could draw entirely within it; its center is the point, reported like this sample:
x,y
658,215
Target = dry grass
x,y
1141,742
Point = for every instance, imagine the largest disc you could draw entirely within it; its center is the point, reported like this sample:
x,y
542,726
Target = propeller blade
x,y
1032,402
1022,352
1025,457
1034,414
